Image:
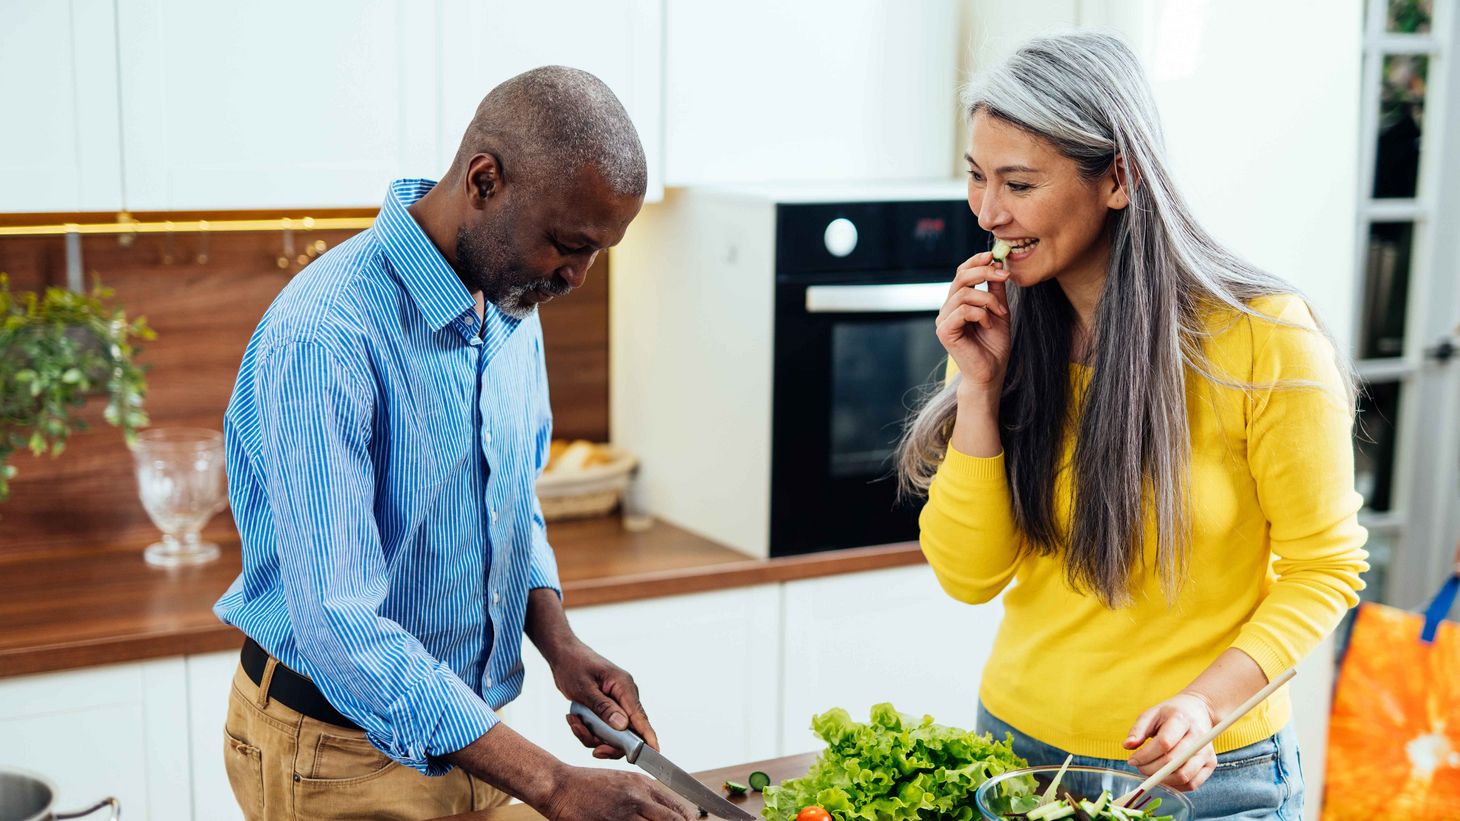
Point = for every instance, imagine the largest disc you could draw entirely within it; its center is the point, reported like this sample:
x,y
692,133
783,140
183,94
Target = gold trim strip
x,y
190,226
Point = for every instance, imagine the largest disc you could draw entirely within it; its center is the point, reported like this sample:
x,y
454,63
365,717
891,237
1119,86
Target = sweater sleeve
x,y
1300,452
967,527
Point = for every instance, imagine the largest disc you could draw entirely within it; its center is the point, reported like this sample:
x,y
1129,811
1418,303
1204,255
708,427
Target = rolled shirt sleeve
x,y
317,435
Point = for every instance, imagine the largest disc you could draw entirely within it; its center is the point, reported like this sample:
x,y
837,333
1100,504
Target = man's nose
x,y
577,273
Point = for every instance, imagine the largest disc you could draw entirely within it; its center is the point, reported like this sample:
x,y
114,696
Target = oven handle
x,y
907,297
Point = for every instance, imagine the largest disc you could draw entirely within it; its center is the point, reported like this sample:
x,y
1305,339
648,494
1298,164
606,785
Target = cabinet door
x,y
706,666
618,41
888,635
812,90
274,103
60,148
210,678
106,731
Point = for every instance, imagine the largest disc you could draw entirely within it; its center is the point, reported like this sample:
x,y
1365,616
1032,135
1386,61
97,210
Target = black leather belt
x,y
291,689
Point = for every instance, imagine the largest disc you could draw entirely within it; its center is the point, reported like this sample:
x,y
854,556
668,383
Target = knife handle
x,y
625,740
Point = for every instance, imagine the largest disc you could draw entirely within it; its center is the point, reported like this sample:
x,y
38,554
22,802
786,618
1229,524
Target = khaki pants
x,y
284,765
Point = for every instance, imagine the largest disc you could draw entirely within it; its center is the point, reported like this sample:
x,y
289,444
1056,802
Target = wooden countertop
x,y
84,605
779,769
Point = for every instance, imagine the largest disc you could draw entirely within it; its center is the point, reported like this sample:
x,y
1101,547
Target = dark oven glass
x,y
844,384
876,366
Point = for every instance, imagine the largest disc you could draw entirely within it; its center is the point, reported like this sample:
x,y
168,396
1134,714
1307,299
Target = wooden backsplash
x,y
203,313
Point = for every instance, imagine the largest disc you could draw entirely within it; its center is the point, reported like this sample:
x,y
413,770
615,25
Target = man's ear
x,y
483,179
1123,179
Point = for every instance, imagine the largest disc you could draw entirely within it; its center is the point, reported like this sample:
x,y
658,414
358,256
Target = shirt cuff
x,y
543,571
1272,659
460,717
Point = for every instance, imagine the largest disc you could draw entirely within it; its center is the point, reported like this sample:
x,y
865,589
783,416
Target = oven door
x,y
851,362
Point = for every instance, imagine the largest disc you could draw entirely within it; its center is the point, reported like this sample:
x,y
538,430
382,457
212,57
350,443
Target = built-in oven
x,y
768,343
858,287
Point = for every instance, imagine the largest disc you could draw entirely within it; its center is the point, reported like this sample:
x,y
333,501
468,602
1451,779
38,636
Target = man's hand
x,y
603,687
523,770
592,793
1170,726
586,677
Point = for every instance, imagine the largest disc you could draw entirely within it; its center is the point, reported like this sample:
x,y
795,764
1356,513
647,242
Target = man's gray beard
x,y
493,272
514,303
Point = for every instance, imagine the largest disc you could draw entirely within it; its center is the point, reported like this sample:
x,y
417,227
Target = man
x,y
388,423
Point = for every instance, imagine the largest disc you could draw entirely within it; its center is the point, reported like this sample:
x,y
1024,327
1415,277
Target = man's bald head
x,y
549,124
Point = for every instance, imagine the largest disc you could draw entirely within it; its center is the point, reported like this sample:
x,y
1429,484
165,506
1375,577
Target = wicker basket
x,y
592,491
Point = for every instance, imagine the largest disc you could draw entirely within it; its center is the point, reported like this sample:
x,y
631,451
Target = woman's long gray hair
x,y
1086,94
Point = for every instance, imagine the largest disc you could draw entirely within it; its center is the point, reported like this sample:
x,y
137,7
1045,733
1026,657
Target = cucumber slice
x,y
735,788
759,781
1001,250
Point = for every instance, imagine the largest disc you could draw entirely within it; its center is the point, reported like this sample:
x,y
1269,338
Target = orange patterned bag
x,y
1394,736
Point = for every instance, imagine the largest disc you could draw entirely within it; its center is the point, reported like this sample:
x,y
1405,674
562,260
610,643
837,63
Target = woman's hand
x,y
1169,726
973,325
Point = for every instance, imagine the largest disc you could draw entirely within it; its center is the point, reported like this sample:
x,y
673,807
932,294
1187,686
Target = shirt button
x,y
496,597
494,517
489,682
487,436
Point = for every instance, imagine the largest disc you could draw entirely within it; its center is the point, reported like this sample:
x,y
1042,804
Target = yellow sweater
x,y
1277,552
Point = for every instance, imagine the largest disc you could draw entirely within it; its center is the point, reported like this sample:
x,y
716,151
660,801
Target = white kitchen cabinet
x,y
60,148
107,731
275,103
706,665
210,678
618,41
813,90
1312,696
886,635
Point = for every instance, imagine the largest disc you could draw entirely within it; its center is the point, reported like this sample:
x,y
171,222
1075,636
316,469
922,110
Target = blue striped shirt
x,y
382,444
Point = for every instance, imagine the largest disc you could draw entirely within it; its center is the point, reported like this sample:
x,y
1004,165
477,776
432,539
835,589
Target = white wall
x,y
1260,104
1262,125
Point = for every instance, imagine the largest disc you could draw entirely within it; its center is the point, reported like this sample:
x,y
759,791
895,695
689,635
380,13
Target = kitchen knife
x,y
664,771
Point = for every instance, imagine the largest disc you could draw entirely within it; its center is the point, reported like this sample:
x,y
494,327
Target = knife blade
x,y
662,769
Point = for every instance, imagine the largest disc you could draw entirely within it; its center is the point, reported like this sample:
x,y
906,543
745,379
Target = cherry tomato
x,y
813,813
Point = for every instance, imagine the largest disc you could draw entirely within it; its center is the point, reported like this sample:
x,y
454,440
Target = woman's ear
x,y
1122,179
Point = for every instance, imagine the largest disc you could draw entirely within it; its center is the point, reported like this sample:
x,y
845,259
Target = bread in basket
x,y
583,479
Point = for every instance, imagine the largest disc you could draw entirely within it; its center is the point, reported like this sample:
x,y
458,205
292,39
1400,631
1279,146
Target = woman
x,y
1143,438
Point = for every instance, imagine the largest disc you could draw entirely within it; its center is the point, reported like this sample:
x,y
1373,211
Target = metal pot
x,y
27,797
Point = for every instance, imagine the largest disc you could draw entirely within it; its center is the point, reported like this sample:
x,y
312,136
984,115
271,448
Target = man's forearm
x,y
547,624
508,761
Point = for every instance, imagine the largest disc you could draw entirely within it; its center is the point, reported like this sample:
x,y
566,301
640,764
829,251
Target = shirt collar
x,y
428,278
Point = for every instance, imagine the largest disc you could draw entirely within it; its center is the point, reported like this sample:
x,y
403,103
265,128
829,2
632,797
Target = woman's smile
x,y
1020,249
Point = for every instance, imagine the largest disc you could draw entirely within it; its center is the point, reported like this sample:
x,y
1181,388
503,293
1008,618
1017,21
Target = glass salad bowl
x,y
994,795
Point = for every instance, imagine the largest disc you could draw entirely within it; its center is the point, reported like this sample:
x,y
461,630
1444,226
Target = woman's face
x,y
1031,196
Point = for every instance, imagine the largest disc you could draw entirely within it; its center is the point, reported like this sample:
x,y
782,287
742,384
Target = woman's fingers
x,y
981,258
950,328
1142,729
1194,772
1000,292
1172,729
968,296
968,277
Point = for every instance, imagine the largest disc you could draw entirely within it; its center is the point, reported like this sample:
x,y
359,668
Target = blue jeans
x,y
1259,781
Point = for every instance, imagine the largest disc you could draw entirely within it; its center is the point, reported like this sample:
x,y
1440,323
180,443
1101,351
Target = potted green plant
x,y
57,350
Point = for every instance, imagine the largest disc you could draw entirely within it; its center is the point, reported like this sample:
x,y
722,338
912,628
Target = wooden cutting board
x,y
779,769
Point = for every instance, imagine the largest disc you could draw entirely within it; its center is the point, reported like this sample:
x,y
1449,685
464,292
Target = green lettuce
x,y
894,767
